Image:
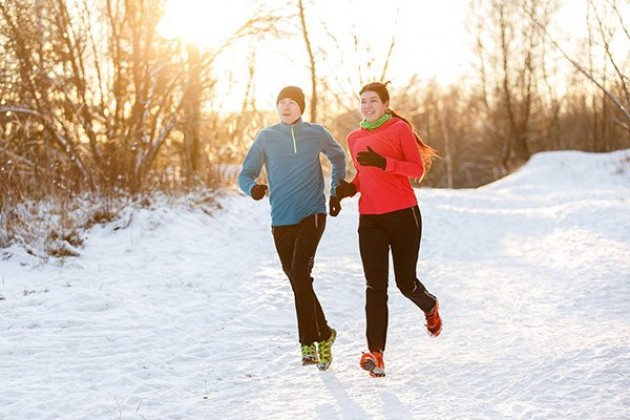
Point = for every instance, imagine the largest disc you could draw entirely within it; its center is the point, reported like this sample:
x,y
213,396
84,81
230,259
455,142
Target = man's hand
x,y
334,206
371,158
258,191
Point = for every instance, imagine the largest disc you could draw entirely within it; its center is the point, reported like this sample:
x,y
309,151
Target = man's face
x,y
288,110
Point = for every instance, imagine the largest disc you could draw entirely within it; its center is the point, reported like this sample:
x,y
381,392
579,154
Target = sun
x,y
207,24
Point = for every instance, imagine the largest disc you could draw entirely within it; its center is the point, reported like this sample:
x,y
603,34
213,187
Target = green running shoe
x,y
309,354
325,351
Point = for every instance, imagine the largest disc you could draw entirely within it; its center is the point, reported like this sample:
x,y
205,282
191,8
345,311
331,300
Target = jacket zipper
x,y
294,145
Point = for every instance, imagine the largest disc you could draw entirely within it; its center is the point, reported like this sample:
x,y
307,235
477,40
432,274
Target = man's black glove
x,y
371,158
258,191
345,189
334,206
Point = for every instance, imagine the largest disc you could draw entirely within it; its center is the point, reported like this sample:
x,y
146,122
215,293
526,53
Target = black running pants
x,y
399,231
296,246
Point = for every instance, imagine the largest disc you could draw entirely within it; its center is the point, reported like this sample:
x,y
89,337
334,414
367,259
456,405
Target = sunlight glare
x,y
207,24
431,42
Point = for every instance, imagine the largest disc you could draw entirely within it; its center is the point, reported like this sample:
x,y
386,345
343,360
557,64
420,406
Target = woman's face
x,y
372,108
288,110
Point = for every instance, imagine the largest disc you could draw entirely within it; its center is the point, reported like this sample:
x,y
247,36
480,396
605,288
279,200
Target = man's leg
x,y
311,319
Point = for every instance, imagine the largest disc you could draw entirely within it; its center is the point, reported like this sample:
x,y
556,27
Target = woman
x,y
386,153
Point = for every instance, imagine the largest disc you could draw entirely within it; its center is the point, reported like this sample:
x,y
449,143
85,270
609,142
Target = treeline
x,y
525,93
94,98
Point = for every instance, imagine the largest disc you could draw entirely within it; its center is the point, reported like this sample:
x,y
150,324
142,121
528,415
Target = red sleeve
x,y
412,165
357,179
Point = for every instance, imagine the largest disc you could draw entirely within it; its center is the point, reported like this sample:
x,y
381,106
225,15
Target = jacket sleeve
x,y
337,157
252,165
357,178
412,165
356,181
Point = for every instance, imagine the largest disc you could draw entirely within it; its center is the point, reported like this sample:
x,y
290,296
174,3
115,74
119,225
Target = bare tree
x,y
43,98
311,58
101,86
605,19
510,54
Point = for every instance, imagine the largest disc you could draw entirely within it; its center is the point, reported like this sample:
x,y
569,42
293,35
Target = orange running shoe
x,y
434,322
373,363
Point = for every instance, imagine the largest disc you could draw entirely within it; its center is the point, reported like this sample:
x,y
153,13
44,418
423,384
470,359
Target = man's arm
x,y
337,157
252,165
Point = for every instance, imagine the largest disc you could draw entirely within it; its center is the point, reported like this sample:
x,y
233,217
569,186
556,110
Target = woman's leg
x,y
374,248
406,233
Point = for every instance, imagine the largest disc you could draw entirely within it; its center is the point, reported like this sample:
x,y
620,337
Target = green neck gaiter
x,y
376,124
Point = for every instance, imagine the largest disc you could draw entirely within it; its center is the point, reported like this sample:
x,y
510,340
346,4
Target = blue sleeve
x,y
337,157
252,165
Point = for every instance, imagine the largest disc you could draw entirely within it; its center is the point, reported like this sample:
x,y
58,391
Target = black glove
x,y
371,158
334,205
345,189
258,191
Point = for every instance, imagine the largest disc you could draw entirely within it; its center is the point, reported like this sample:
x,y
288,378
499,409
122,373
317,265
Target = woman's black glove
x,y
345,189
334,206
371,158
258,191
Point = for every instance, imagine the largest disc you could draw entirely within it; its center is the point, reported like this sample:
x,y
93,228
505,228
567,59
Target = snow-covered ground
x,y
173,314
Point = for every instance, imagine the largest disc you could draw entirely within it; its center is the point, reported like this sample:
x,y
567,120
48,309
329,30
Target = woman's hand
x,y
371,158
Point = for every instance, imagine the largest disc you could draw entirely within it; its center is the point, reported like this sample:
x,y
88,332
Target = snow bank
x,y
177,312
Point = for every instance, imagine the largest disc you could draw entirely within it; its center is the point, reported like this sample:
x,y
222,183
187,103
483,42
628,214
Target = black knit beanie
x,y
292,92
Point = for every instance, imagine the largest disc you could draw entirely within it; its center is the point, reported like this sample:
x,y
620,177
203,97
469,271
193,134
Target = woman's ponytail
x,y
427,152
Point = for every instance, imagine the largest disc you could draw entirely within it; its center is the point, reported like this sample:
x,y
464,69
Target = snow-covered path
x,y
172,314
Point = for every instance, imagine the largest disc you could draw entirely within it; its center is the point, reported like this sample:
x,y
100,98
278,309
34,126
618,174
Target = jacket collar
x,y
296,122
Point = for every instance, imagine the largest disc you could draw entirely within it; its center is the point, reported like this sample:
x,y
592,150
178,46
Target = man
x,y
290,152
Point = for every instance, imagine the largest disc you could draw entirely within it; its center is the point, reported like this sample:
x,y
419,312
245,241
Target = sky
x,y
428,35
431,41
179,309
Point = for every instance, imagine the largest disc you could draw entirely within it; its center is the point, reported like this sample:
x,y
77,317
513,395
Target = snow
x,y
171,313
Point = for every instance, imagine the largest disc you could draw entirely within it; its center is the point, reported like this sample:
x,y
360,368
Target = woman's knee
x,y
408,288
301,282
